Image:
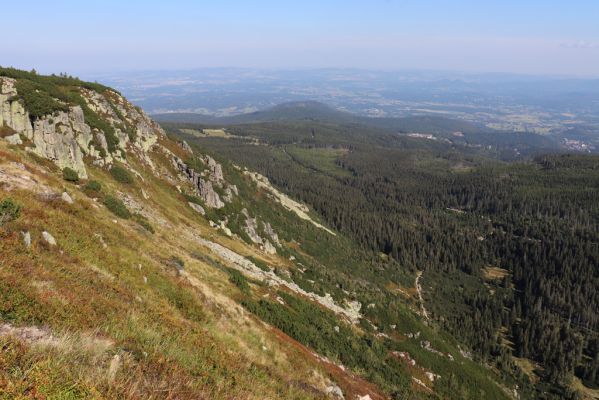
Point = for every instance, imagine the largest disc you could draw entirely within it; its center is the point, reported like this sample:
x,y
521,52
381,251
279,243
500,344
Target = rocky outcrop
x,y
215,170
185,146
271,233
12,113
203,187
207,193
65,138
142,133
251,229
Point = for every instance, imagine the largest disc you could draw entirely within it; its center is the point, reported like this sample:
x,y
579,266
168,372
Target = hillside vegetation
x,y
155,270
454,214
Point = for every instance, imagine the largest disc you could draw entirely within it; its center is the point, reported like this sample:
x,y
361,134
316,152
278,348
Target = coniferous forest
x,y
509,250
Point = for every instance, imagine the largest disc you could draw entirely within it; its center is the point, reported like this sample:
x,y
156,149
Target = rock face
x,y
208,194
61,138
12,113
66,138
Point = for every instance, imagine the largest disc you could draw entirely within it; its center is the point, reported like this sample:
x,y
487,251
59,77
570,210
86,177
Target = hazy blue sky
x,y
528,36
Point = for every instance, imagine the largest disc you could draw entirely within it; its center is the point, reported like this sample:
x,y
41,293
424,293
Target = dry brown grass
x,y
495,273
174,339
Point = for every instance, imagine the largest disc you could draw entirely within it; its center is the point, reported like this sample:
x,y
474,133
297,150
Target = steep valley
x,y
141,263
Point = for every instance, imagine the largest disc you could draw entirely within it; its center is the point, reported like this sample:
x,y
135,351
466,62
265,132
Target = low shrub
x,y
143,221
259,263
93,189
117,207
9,211
93,185
121,175
236,278
70,175
177,263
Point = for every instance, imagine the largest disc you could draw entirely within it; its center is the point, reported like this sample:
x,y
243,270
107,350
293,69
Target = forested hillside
x,y
509,251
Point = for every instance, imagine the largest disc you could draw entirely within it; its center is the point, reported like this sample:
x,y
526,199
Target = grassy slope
x,y
177,339
171,336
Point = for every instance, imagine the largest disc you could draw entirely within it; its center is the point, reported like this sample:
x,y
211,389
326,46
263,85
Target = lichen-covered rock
x,y
335,392
269,248
207,193
12,113
60,137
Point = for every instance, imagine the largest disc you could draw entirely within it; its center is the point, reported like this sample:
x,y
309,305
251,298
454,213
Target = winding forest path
x,y
419,291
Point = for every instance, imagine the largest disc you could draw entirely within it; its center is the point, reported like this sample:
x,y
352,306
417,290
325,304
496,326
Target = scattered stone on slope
x,y
113,368
30,334
301,210
49,238
13,175
44,337
66,198
351,311
197,208
26,238
225,229
101,240
335,392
